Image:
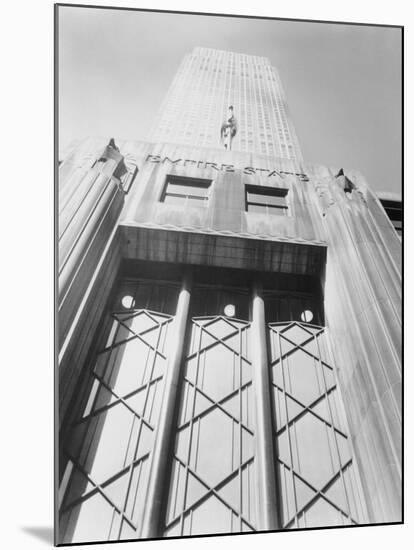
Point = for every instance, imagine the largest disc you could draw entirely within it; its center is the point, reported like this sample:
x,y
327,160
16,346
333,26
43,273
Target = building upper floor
x,y
207,82
210,190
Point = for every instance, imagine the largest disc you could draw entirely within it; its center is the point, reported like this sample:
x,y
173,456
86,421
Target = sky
x,y
342,82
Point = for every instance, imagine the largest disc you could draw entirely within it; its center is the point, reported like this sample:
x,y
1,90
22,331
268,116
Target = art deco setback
x,y
230,301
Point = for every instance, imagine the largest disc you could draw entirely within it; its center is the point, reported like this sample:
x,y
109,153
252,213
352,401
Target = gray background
x,y
342,82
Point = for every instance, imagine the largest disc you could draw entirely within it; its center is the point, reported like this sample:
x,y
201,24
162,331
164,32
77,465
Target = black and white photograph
x,y
229,228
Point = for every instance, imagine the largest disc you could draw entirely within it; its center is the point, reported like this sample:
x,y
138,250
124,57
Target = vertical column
x,y
363,312
165,432
87,220
268,518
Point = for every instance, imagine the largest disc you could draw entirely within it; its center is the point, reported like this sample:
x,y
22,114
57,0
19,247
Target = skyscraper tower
x,y
207,82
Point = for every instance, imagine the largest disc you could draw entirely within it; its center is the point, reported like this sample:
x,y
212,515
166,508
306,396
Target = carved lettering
x,y
249,171
212,164
274,173
171,161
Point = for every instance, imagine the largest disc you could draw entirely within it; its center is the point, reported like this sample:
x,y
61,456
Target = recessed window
x,y
266,200
186,191
393,208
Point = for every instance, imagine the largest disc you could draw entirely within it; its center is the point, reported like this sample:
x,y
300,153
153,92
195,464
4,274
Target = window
x,y
393,209
266,200
108,446
186,191
319,477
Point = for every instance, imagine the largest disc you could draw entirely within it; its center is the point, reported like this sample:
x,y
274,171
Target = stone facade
x,y
335,234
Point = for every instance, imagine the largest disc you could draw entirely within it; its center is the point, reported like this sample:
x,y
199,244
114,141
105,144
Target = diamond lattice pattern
x,y
110,443
212,486
317,479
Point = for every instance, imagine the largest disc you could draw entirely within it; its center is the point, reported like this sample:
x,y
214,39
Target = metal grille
x,y
212,484
317,478
212,487
109,445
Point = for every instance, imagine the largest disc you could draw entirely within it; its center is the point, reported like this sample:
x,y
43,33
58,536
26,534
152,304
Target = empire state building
x,y
229,325
206,83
